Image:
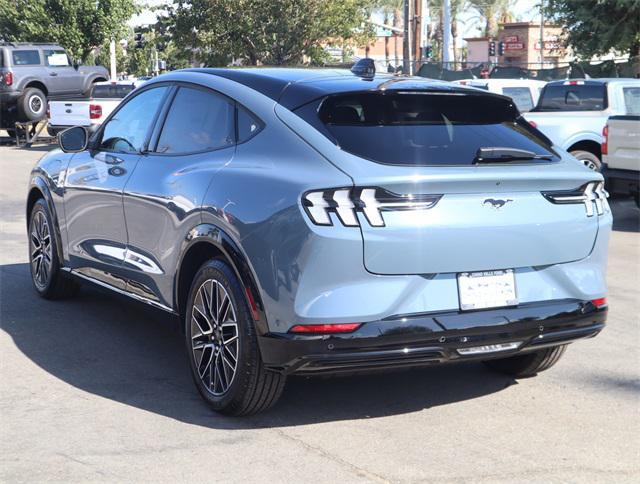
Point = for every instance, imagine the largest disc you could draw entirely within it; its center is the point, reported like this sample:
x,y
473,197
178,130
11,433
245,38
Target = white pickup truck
x,y
89,112
572,113
621,155
524,92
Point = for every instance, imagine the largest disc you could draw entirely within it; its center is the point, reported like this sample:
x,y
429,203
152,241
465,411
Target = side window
x,y
521,96
632,100
198,120
56,58
248,125
26,58
127,130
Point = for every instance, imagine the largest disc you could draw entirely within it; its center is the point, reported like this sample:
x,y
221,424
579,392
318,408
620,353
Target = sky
x,y
524,10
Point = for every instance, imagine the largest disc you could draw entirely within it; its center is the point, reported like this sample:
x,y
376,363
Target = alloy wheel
x,y
41,256
214,337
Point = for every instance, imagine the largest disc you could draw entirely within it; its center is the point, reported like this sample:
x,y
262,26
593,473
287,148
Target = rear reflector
x,y
95,111
325,328
480,350
600,302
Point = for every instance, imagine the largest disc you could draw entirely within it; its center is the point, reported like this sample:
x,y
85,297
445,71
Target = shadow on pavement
x,y
106,345
626,215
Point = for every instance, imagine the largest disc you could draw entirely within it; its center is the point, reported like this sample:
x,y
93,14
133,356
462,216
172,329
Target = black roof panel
x,y
293,87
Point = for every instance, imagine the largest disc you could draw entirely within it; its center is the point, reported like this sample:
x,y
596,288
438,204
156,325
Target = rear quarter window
x,y
585,97
423,128
521,96
26,58
632,100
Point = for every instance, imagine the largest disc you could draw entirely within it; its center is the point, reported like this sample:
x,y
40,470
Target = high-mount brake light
x,y
325,328
371,202
590,194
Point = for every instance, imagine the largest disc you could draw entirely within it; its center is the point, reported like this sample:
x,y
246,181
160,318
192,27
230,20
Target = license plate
x,y
488,289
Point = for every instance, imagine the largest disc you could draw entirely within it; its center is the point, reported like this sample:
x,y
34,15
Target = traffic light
x,y
492,49
427,52
501,48
139,40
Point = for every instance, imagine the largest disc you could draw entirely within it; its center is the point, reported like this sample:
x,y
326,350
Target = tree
x,y
268,31
78,25
492,13
597,26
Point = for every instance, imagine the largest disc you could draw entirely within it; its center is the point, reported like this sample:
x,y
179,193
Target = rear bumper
x,y
425,339
623,182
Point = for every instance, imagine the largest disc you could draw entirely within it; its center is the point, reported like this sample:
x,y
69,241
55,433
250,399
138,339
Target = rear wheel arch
x,y
37,85
206,242
587,145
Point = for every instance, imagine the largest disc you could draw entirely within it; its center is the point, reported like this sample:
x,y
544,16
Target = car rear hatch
x,y
427,201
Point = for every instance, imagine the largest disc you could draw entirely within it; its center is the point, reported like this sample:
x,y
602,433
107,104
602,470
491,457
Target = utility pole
x,y
424,32
112,61
541,34
406,40
446,34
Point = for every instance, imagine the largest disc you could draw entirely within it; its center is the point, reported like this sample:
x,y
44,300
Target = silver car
x,y
314,221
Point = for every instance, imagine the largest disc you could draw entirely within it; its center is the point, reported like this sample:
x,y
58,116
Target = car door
x,y
63,77
95,179
163,197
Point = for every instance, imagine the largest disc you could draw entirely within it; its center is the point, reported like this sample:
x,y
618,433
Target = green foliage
x,y
597,26
274,32
78,25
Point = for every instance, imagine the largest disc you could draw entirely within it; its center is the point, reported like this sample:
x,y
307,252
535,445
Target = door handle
x,y
53,74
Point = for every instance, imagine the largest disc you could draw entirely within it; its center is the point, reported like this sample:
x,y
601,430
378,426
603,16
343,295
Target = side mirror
x,y
76,64
74,139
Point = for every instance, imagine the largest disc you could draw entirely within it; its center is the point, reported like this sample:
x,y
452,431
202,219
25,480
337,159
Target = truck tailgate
x,y
69,113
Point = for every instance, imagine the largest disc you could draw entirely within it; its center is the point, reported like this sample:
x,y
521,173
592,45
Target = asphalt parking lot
x,y
98,389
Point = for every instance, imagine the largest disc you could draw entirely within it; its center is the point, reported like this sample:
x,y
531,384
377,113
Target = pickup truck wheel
x,y
528,364
589,159
32,105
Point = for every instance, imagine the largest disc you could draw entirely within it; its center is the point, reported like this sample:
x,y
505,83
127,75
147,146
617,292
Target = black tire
x,y
50,282
251,388
20,131
589,159
528,364
32,105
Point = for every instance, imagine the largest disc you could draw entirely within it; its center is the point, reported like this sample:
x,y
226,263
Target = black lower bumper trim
x,y
425,339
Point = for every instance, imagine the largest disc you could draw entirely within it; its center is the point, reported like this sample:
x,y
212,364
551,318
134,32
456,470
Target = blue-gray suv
x,y
316,221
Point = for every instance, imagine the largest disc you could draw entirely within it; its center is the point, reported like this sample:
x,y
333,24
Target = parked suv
x,y
309,222
30,73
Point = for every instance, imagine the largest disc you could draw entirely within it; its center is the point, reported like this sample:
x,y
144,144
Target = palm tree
x,y
393,9
493,12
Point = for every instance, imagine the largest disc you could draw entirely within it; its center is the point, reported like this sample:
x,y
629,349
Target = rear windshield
x,y
112,90
578,97
423,128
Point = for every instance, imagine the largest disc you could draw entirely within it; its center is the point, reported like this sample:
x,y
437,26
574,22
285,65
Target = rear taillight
x,y
601,302
589,194
6,78
604,146
346,203
533,124
95,111
325,328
